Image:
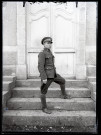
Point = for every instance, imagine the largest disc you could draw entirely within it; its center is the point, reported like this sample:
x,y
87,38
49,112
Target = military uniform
x,y
47,71
46,64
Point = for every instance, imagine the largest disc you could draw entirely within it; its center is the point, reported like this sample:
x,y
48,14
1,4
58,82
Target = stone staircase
x,y
24,107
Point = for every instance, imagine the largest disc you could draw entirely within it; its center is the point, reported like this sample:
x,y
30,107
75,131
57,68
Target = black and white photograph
x,y
49,66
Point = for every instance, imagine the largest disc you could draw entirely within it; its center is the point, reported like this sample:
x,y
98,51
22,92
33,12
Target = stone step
x,y
73,104
28,92
37,83
9,78
8,85
92,79
91,70
57,118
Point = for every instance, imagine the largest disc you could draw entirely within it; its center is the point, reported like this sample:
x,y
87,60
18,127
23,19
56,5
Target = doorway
x,y
57,20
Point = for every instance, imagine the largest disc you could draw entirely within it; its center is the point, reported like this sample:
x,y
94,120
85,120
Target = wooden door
x,y
64,34
58,21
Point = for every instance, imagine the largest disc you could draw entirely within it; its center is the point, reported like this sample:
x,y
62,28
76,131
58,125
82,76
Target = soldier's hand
x,y
44,81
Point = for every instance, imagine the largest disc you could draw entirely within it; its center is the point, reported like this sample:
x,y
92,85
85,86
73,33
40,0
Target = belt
x,y
49,67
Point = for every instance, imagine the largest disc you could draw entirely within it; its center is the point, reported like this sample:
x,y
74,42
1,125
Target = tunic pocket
x,y
48,59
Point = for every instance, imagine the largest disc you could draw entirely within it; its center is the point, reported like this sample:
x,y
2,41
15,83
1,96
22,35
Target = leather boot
x,y
44,106
64,94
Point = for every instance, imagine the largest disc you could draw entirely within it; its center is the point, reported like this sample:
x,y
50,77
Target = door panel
x,y
39,28
64,47
64,63
32,63
63,30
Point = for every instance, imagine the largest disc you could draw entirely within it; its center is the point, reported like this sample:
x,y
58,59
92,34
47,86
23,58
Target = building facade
x,y
73,30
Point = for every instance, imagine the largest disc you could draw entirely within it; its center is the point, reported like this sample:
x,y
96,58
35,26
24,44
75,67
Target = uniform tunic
x,y
46,64
47,70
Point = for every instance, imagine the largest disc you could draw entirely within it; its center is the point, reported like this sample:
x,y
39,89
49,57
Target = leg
x,y
44,88
61,81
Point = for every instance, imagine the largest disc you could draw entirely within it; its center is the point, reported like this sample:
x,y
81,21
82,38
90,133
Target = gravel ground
x,y
28,128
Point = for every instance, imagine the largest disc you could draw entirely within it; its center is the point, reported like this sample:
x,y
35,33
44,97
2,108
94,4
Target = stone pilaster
x,y
91,38
21,71
80,51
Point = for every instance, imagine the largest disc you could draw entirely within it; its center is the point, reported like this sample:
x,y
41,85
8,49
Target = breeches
x,y
58,79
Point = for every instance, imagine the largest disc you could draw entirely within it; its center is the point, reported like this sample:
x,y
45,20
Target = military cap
x,y
49,39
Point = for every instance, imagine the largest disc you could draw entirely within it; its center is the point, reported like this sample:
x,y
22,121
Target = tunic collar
x,y
46,49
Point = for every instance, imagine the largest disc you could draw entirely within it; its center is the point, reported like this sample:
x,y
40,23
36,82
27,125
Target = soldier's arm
x,y
41,63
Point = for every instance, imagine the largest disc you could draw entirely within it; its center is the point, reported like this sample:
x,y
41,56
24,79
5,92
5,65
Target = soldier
x,y
48,73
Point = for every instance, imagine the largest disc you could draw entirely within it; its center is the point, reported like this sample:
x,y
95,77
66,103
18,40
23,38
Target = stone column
x,y
21,48
80,50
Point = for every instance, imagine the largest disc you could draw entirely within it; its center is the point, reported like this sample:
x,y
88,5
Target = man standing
x,y
48,73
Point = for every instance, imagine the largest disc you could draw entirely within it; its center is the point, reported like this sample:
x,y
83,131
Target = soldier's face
x,y
47,45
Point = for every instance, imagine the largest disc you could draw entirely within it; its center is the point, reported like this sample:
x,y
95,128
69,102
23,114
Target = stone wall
x,y
9,23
